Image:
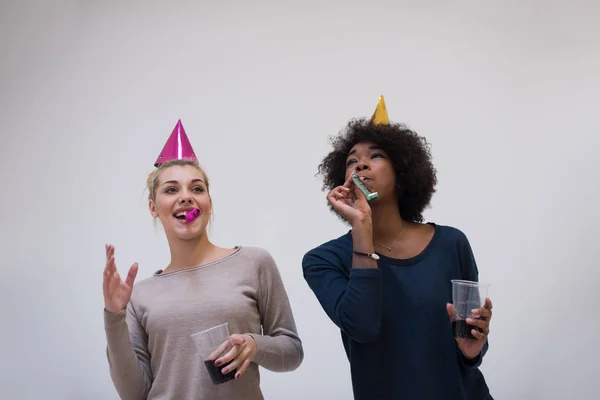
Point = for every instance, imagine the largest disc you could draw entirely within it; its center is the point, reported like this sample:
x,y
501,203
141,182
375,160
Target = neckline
x,y
160,274
414,259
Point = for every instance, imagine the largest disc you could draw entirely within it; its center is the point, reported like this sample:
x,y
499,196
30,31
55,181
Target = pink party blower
x,y
192,214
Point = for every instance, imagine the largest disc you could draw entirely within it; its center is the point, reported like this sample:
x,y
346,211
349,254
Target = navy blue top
x,y
393,320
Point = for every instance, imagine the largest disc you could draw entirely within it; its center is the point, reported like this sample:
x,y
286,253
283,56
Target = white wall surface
x,y
505,91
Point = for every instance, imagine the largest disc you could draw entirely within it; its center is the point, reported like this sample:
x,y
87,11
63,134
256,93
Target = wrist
x,y
112,311
362,237
251,341
363,221
362,229
471,361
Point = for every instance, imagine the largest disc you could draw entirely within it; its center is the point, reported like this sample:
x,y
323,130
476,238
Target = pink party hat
x,y
178,147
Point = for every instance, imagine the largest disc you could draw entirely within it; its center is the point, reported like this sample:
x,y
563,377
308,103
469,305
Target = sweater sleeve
x,y
127,353
352,298
279,348
470,272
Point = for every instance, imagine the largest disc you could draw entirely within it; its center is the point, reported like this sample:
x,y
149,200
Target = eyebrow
x,y
370,148
175,182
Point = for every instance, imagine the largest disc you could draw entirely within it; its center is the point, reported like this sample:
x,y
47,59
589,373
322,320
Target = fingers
x,y
219,350
479,323
110,259
348,183
107,258
344,193
234,364
243,368
110,250
347,202
229,356
237,339
478,335
114,282
238,358
339,193
105,285
340,199
131,275
106,272
110,265
480,318
482,312
347,188
240,362
109,270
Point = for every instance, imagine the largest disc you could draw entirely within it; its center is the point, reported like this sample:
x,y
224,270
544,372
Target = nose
x,y
185,199
361,166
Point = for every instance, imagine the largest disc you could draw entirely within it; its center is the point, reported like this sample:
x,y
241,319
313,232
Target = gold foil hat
x,y
380,116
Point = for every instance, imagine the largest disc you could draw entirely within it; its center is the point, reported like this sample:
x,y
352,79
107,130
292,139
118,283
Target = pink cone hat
x,y
178,147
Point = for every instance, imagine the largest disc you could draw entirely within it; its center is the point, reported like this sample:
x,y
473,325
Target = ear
x,y
152,207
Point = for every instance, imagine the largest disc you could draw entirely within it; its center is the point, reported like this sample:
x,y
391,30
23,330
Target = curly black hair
x,y
409,154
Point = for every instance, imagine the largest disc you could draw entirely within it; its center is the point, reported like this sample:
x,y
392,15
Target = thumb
x,y
450,310
131,275
488,303
237,339
349,182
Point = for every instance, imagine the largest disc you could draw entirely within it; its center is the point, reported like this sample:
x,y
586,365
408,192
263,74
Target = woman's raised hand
x,y
116,292
350,202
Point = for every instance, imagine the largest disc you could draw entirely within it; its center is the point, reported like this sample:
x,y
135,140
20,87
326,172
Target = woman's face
x,y
368,160
181,189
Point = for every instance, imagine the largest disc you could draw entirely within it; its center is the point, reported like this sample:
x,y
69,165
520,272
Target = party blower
x,y
191,215
369,195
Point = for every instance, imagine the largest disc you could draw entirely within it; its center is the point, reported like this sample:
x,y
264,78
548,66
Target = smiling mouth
x,y
188,215
180,215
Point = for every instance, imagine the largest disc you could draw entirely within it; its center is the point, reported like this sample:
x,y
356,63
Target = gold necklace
x,y
389,248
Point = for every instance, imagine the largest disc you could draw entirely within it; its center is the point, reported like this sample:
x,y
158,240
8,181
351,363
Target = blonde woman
x,y
148,325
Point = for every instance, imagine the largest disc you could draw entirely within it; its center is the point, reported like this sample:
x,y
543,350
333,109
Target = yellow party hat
x,y
380,116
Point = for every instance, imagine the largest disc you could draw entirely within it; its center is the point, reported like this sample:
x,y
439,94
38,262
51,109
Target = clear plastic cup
x,y
466,296
212,344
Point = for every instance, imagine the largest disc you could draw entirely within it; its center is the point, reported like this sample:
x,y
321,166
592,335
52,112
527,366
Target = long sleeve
x,y
470,272
352,298
279,348
127,353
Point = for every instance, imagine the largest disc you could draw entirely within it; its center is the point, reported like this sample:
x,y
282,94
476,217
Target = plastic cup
x,y
466,296
212,344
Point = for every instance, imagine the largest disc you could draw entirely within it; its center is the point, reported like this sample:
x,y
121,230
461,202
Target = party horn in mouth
x,y
370,196
192,214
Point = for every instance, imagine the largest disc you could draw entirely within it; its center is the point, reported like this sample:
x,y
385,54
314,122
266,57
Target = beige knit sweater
x,y
149,349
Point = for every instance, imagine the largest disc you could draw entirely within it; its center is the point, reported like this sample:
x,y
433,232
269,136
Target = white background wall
x,y
506,93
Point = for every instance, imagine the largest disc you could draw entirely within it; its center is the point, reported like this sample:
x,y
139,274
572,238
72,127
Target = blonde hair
x,y
152,182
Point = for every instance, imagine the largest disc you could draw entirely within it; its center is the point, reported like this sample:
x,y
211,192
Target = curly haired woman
x,y
386,282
